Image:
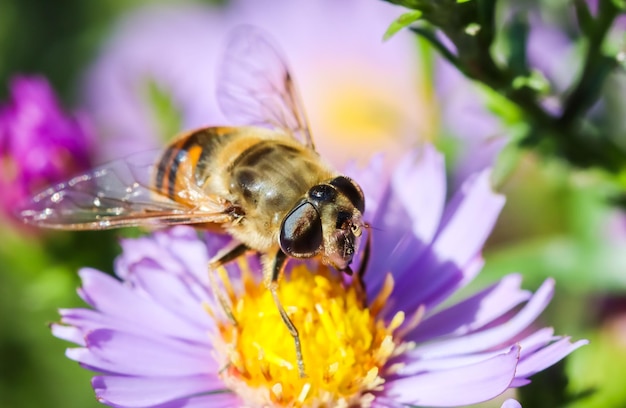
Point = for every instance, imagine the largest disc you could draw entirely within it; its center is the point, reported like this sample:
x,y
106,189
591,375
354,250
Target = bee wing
x,y
255,87
119,194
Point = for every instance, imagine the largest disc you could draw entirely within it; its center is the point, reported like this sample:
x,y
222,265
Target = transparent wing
x,y
255,87
120,194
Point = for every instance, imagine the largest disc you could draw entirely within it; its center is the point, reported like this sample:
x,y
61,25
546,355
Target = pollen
x,y
345,345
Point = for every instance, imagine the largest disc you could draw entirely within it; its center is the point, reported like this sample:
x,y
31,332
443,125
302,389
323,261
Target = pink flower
x,y
39,143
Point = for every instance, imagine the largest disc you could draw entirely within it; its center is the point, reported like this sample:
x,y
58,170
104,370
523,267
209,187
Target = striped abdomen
x,y
186,160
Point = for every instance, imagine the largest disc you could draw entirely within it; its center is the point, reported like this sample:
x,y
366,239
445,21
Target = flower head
x,y
159,338
39,143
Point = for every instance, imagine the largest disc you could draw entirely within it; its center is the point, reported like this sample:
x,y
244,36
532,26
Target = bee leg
x,y
277,266
365,257
223,257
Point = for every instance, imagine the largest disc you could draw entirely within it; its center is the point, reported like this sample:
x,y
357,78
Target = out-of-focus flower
x,y
40,144
478,134
360,95
160,339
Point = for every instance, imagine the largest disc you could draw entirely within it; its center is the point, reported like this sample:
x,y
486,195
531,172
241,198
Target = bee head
x,y
328,220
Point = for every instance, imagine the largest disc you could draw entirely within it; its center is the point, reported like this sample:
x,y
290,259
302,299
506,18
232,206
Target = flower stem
x,y
469,26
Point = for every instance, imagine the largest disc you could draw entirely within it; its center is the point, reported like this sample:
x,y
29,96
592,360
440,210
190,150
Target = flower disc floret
x,y
345,344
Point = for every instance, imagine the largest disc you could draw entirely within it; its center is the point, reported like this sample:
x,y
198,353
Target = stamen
x,y
345,345
383,295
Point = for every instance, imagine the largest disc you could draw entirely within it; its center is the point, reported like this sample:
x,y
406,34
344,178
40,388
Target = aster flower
x,y
356,91
40,144
159,339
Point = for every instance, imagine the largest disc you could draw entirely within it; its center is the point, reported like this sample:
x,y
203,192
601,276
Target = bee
x,y
264,184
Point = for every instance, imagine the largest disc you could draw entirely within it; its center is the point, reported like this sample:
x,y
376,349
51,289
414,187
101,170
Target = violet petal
x,y
458,386
148,391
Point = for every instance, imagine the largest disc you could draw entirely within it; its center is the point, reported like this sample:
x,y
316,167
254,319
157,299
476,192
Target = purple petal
x,y
192,253
485,339
458,386
453,259
385,402
527,346
215,400
536,341
111,297
184,253
68,333
546,357
468,220
130,354
169,291
428,282
473,313
511,403
87,320
419,182
145,392
418,366
408,215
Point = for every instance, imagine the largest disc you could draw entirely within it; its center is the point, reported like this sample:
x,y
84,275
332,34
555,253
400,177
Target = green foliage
x,y
548,389
32,287
571,134
603,363
401,22
507,161
166,114
564,220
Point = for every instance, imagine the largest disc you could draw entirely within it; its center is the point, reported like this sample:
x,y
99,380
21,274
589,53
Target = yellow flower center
x,y
345,346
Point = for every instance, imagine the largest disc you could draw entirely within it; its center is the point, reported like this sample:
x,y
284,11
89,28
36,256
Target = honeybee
x,y
264,183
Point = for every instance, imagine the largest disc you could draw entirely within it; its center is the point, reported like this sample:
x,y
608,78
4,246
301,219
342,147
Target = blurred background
x,y
86,82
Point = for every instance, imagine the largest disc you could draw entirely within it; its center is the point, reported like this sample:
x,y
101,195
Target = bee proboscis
x,y
264,183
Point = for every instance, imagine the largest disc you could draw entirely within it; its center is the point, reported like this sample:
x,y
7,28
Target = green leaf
x,y
167,115
410,4
509,157
535,81
401,22
500,106
620,4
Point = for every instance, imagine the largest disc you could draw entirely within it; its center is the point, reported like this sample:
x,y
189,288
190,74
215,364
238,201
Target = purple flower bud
x,y
40,144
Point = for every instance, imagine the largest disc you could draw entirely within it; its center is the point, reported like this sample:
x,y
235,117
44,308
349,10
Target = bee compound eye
x,y
351,190
301,231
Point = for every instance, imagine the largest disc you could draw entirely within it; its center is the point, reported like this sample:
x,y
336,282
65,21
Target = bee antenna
x,y
369,226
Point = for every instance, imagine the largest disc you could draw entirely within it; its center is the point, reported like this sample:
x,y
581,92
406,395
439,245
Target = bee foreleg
x,y
278,263
223,257
365,257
